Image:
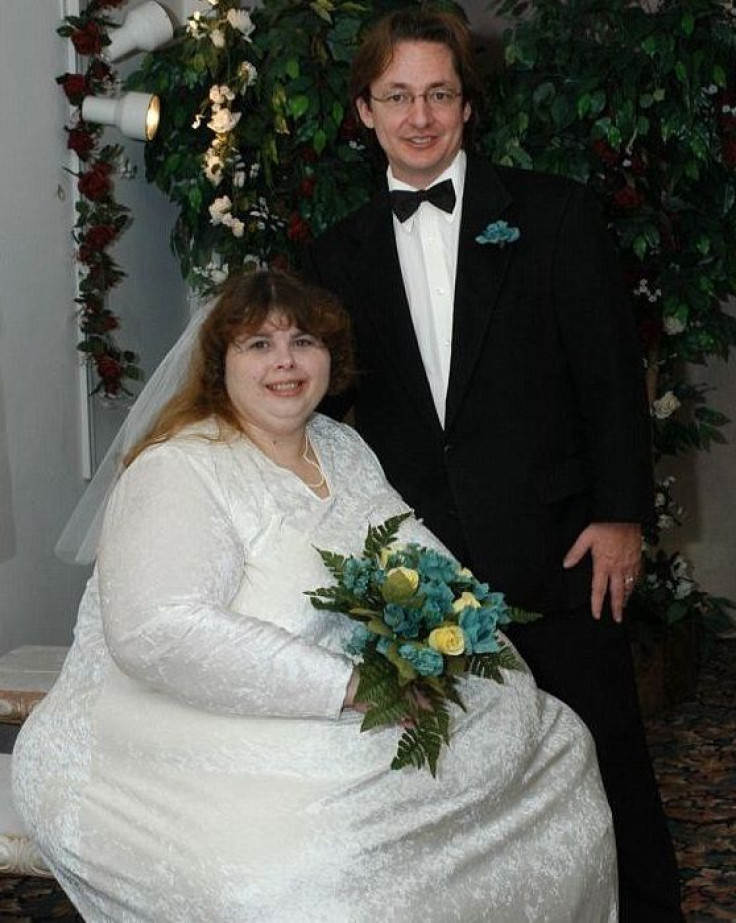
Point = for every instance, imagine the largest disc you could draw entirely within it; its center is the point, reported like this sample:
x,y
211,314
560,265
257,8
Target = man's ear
x,y
364,111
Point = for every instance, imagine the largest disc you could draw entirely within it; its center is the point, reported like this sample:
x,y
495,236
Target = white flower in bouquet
x,y
217,37
240,20
665,406
223,121
221,95
219,209
248,73
235,224
673,325
213,167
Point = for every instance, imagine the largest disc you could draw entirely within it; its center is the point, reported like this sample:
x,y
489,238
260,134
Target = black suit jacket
x,y
547,424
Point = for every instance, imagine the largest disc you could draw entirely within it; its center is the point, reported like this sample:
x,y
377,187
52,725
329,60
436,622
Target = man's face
x,y
421,139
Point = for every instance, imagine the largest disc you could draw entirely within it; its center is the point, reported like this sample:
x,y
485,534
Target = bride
x,y
200,758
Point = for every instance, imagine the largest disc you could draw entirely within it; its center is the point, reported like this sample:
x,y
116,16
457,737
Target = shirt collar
x,y
455,172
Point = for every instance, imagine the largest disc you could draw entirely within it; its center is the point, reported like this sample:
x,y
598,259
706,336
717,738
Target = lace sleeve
x,y
170,563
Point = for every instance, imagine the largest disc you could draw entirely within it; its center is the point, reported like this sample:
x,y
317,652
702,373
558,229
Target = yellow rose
x,y
466,601
400,584
447,639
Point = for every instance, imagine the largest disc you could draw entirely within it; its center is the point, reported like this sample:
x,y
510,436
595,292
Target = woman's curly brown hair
x,y
245,303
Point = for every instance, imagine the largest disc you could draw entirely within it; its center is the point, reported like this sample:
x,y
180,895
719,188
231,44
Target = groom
x,y
502,390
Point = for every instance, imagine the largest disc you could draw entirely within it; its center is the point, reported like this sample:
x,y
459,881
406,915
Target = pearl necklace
x,y
315,464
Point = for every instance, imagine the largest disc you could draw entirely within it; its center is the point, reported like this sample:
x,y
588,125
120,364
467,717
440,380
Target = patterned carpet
x,y
694,751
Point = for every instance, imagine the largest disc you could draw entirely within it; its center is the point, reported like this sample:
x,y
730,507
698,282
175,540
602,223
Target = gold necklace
x,y
315,464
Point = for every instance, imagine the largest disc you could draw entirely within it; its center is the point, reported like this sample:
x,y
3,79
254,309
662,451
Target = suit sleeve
x,y
596,325
169,565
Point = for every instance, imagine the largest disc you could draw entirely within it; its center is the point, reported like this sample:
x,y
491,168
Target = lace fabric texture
x,y
192,763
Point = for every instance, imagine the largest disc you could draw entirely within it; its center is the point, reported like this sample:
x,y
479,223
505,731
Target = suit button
x,y
447,448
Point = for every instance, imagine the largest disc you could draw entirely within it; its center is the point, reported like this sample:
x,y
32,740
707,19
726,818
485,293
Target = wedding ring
x,y
628,584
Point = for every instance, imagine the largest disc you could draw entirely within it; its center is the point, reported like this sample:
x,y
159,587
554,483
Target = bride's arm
x,y
170,562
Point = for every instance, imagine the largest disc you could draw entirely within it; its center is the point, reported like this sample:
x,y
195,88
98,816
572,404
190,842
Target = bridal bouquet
x,y
422,623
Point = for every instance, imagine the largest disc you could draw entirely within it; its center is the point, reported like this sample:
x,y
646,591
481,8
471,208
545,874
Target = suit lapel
x,y
377,273
481,269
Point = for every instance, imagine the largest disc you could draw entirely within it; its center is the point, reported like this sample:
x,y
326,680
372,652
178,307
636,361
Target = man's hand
x,y
616,551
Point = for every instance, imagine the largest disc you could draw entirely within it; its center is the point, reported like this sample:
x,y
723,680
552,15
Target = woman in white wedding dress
x,y
199,759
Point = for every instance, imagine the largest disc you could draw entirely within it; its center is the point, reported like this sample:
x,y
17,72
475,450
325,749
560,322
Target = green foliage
x,y
639,102
380,537
641,105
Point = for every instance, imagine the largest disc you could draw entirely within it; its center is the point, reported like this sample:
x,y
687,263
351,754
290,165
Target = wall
x,y
40,444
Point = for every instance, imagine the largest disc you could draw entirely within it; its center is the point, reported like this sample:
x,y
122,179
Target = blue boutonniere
x,y
499,233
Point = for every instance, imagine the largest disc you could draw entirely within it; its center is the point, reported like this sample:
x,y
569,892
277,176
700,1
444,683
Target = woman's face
x,y
276,376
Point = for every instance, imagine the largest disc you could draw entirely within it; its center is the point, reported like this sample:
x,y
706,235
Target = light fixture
x,y
135,114
145,27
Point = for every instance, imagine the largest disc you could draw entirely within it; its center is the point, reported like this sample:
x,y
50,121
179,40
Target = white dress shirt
x,y
427,244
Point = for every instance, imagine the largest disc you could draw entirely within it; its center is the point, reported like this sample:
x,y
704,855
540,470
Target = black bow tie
x,y
405,203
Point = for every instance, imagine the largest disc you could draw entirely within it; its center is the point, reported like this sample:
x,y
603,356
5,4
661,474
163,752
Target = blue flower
x,y
479,628
356,575
383,644
435,566
437,592
403,621
499,233
497,604
432,614
358,640
425,660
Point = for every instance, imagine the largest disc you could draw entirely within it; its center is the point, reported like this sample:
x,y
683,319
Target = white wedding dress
x,y
192,764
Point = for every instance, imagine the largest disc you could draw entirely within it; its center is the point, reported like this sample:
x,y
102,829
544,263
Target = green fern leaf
x,y
522,616
380,537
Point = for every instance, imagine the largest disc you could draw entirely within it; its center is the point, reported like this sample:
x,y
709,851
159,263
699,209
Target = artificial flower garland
x,y
100,219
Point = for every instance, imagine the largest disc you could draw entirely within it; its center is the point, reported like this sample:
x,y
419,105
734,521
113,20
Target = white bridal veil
x,y
78,541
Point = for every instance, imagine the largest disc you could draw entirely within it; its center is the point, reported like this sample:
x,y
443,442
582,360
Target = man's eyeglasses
x,y
403,100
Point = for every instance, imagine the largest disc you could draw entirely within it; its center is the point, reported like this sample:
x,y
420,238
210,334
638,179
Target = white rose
x,y
673,325
219,95
684,588
665,406
219,209
216,274
213,168
217,37
240,20
223,121
237,227
248,73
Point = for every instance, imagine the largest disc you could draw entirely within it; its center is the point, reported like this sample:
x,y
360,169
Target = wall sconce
x,y
135,114
145,27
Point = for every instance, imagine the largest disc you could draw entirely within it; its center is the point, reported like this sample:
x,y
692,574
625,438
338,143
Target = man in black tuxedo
x,y
501,387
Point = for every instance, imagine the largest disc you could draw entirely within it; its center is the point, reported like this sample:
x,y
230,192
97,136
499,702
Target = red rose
x,y
75,87
100,236
306,187
109,369
98,70
95,184
605,152
87,41
298,229
627,198
728,151
81,142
